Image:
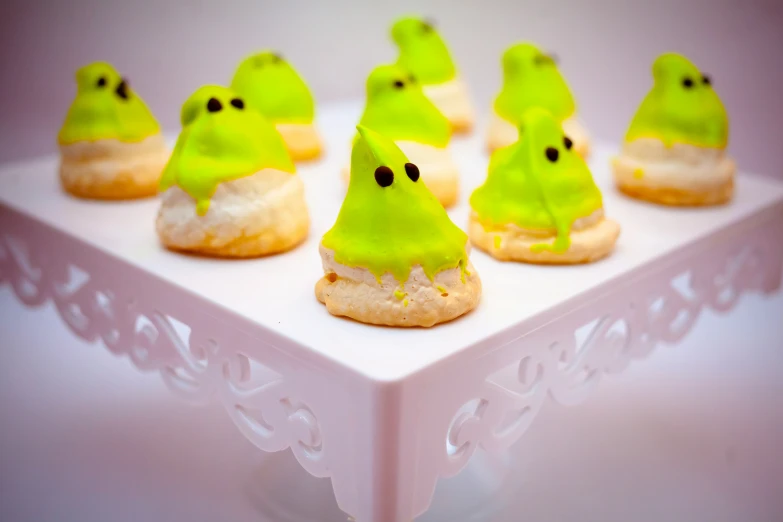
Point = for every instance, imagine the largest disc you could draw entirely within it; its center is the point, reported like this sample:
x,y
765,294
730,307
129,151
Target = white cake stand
x,y
384,413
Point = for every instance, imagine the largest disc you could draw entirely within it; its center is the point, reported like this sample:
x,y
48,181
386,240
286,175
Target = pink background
x,y
168,49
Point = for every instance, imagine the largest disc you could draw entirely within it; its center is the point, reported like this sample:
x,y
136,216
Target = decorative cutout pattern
x,y
193,365
600,338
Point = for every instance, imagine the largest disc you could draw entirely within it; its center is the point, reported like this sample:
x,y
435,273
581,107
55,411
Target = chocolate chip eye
x,y
238,103
706,80
384,176
687,82
277,58
426,26
102,81
214,105
567,142
122,89
399,84
552,154
412,171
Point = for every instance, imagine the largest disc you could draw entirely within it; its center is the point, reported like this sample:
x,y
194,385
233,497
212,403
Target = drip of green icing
x,y
106,108
397,108
422,51
526,188
682,107
272,86
393,228
531,79
221,145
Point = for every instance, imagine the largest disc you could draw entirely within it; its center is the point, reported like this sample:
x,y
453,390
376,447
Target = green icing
x,y
526,188
397,108
391,229
105,108
682,107
273,87
422,51
531,79
221,142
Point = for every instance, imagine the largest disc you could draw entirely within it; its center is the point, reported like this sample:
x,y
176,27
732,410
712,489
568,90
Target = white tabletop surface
x,y
255,289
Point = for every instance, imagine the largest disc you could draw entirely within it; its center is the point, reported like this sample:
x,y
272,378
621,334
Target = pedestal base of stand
x,y
282,491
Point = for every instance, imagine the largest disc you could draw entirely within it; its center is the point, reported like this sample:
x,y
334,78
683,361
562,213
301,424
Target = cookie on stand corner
x,y
230,188
393,257
539,203
675,148
110,143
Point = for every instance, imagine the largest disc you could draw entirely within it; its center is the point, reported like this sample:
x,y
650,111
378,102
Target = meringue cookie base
x,y
436,168
503,133
256,215
451,98
112,169
680,175
301,139
356,293
592,238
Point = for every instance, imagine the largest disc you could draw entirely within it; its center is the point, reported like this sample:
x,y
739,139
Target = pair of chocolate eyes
x,y
688,82
214,105
274,58
399,84
385,177
552,154
546,59
102,82
121,90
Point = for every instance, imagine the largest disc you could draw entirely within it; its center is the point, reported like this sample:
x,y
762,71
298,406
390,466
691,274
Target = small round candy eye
x,y
384,176
399,84
412,171
214,105
567,142
411,78
238,103
102,81
552,154
706,80
687,82
277,58
122,89
426,26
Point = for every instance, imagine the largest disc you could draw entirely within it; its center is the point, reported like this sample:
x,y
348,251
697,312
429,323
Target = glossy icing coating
x,y
221,140
537,183
397,108
106,108
422,51
682,107
272,86
395,227
531,79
